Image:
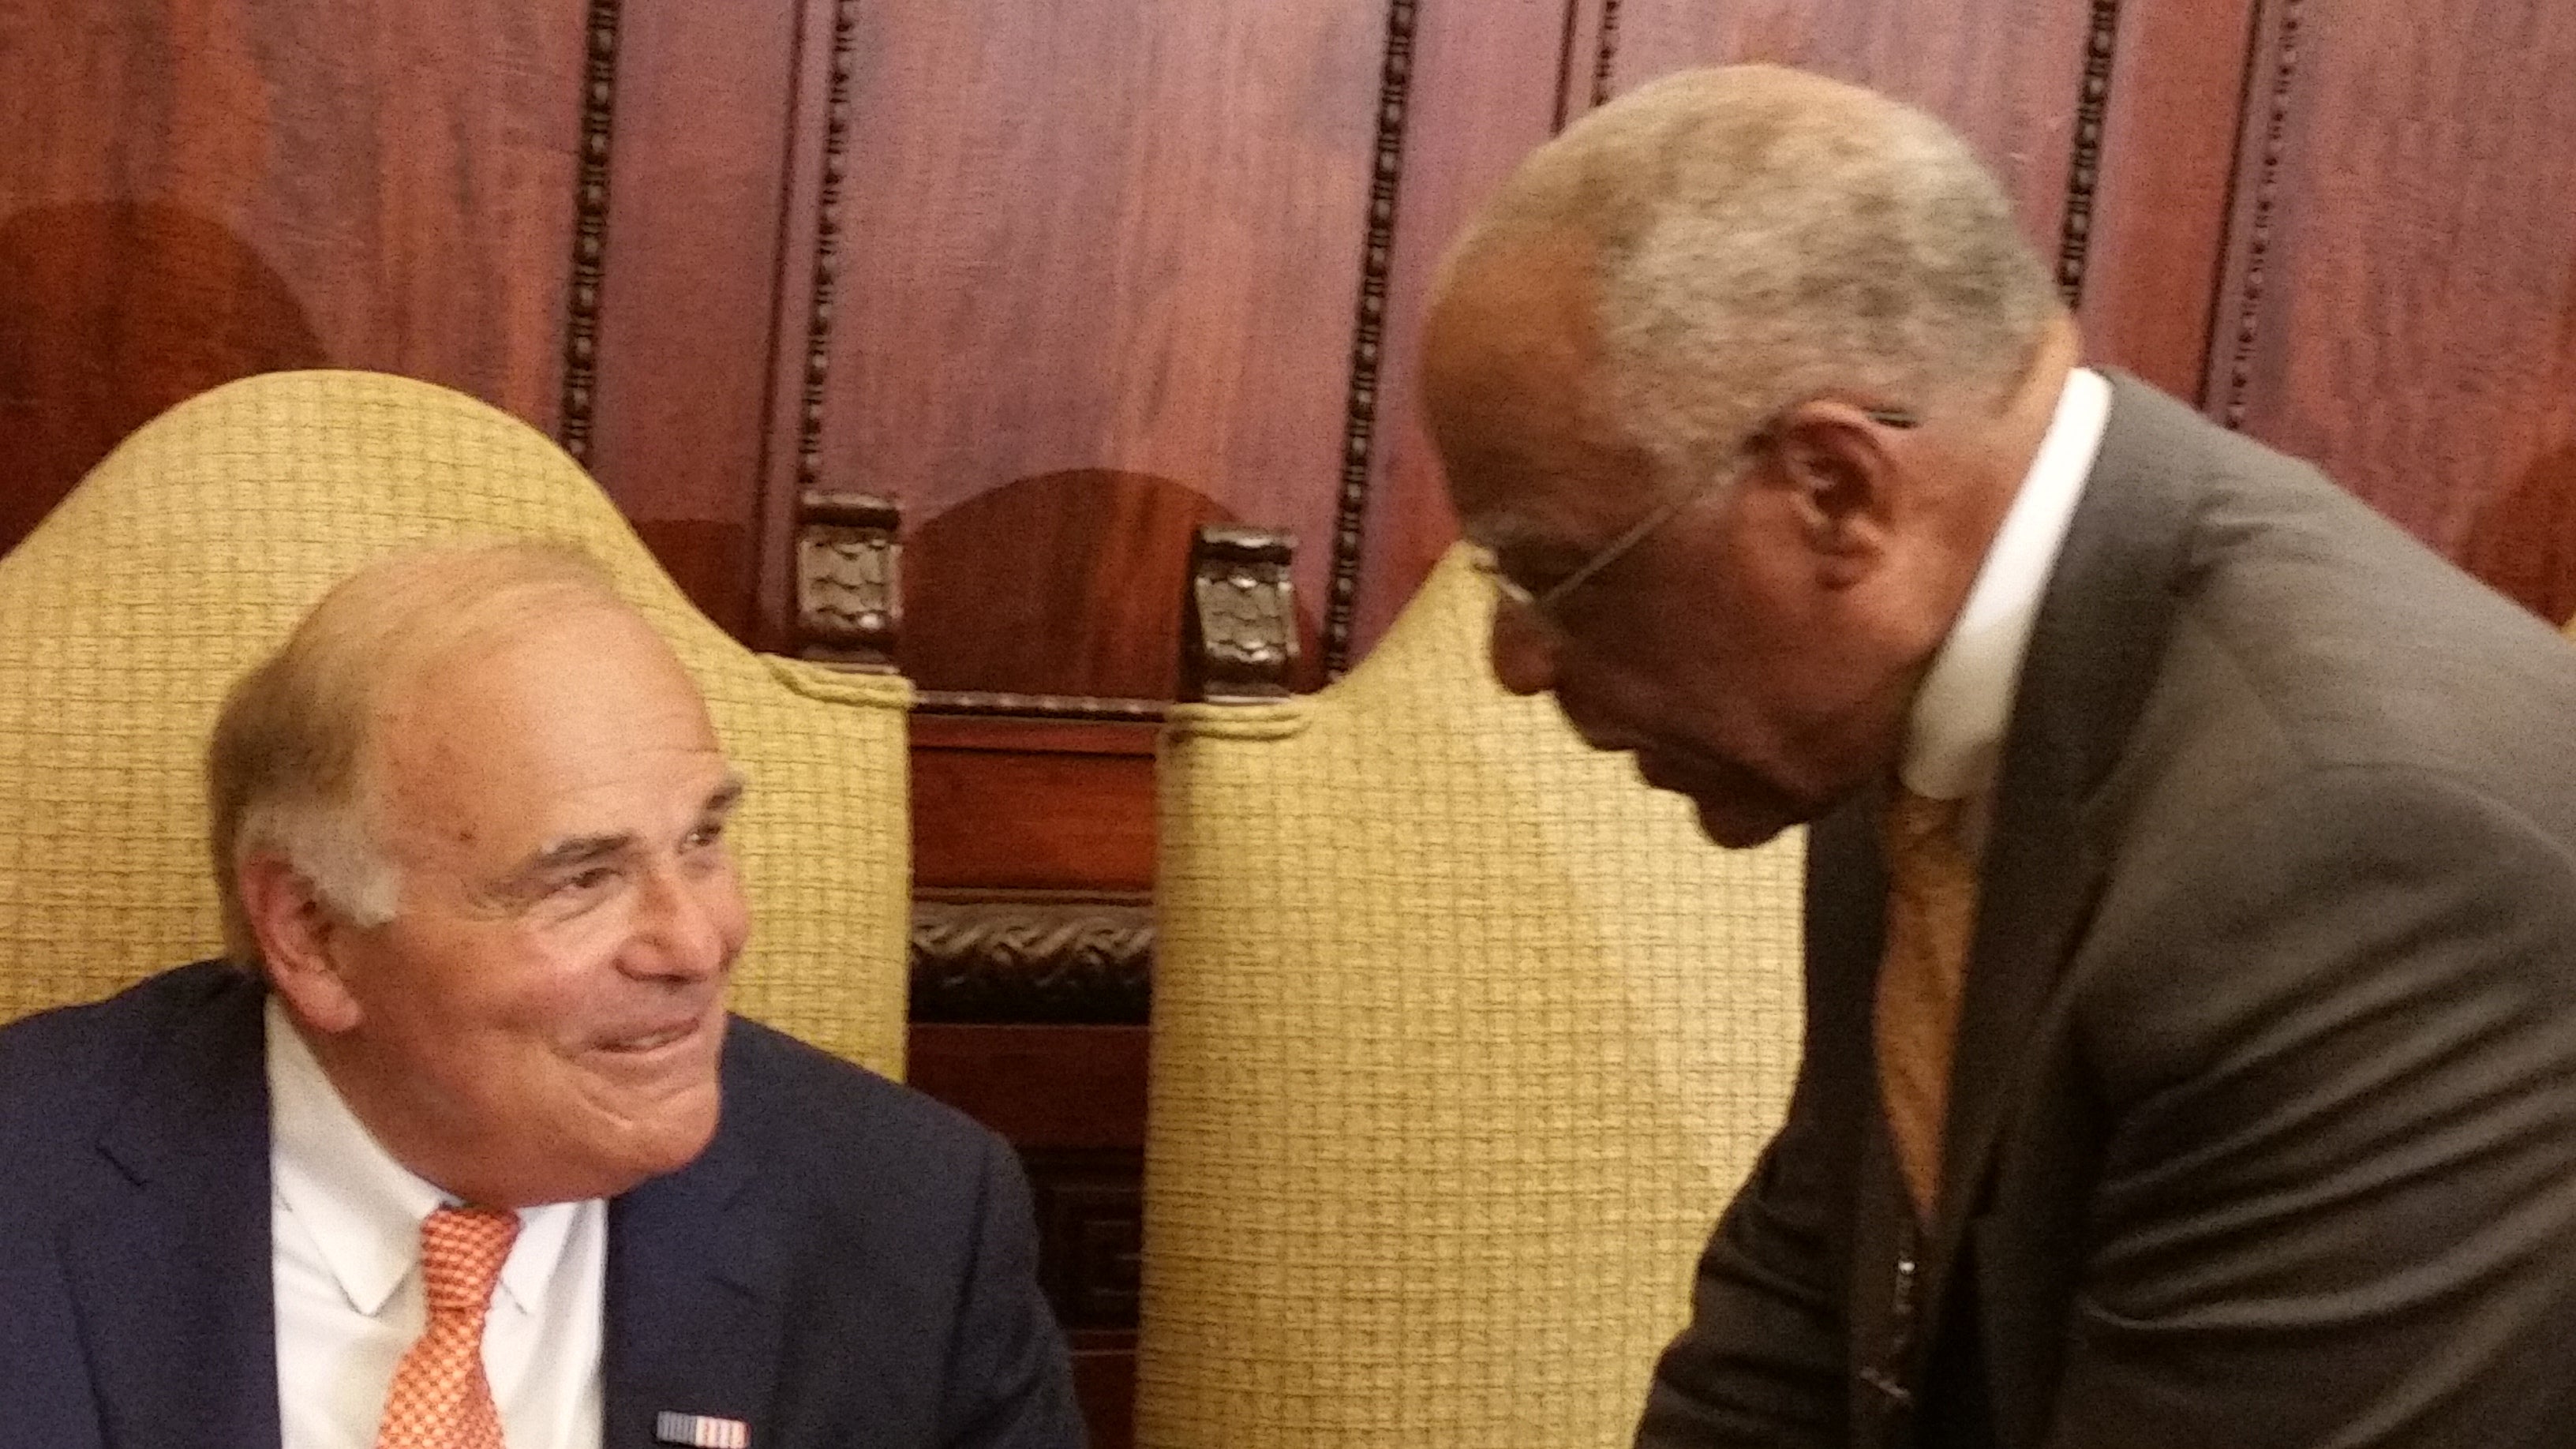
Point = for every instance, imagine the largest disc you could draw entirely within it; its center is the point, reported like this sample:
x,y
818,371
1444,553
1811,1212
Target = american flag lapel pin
x,y
701,1431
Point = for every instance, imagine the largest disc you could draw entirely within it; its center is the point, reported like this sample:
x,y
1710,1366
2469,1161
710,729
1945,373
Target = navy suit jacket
x,y
848,1263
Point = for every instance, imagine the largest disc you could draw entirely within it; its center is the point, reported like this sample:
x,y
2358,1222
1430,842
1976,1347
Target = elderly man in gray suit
x,y
2191,959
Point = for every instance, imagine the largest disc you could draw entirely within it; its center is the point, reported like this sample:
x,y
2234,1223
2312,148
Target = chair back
x,y
1462,1039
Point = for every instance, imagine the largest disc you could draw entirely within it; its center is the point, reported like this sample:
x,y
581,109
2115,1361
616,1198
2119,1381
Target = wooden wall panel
x,y
1481,92
1091,253
686,300
2400,299
2008,74
193,193
2176,93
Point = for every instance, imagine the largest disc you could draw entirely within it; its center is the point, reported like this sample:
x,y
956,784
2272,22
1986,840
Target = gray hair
x,y
289,769
1763,236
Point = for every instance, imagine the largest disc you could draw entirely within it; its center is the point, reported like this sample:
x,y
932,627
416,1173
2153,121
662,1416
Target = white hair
x,y
1761,236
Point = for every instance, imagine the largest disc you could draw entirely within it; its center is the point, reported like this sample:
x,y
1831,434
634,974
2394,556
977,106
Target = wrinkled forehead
x,y
585,705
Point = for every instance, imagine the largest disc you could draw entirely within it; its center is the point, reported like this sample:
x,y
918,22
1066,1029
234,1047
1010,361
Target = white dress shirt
x,y
344,1224
1955,733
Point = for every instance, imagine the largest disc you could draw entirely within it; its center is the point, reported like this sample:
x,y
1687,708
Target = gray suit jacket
x,y
2263,1124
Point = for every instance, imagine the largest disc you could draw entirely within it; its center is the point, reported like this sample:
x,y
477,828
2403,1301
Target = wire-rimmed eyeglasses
x,y
1544,602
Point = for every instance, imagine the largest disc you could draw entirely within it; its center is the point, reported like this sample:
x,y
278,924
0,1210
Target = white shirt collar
x,y
361,1206
1955,733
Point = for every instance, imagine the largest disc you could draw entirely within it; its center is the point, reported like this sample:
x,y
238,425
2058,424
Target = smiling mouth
x,y
647,1042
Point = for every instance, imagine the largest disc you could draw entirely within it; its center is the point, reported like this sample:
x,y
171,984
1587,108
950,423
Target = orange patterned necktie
x,y
440,1398
1922,974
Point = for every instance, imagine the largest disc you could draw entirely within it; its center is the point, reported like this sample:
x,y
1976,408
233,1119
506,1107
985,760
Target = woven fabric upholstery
x,y
1462,1037
194,548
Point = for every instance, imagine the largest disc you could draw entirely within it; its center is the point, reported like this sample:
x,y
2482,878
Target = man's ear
x,y
1843,486
297,934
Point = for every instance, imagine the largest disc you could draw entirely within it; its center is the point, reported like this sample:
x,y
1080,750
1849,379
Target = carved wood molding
x,y
2084,165
1605,52
1032,960
1359,431
827,248
1003,703
590,231
849,579
1240,625
2267,190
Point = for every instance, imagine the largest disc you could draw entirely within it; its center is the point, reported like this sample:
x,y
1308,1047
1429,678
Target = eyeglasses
x,y
1544,602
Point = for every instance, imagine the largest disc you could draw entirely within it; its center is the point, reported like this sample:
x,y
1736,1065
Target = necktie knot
x,y
461,1253
1917,824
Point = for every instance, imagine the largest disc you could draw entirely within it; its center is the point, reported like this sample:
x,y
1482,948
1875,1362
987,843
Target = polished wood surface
x,y
2159,217
688,288
1098,241
2005,73
194,193
1032,805
2400,296
1481,91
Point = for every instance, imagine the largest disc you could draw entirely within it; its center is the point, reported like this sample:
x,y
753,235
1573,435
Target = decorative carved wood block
x,y
849,601
1032,960
1242,618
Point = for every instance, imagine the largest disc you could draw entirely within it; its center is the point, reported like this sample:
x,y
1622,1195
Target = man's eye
x,y
587,881
703,836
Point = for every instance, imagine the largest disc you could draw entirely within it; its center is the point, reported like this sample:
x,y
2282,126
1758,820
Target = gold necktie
x,y
440,1398
1931,910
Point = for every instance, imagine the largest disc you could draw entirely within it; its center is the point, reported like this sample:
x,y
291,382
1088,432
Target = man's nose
x,y
1523,652
687,929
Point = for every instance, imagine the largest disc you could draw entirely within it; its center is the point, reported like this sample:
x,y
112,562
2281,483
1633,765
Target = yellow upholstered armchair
x,y
1462,1038
192,550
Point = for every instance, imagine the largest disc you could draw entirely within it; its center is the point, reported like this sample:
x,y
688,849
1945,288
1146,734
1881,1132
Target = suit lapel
x,y
693,1298
172,1283
2093,653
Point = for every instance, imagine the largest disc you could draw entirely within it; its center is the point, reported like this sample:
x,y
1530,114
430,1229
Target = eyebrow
x,y
577,851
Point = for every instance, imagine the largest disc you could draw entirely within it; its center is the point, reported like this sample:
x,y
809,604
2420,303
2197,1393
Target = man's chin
x,y
673,1137
1732,825
1735,811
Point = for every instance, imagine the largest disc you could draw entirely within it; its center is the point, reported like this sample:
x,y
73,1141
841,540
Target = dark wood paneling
x,y
194,193
1104,1380
1482,95
2159,214
1032,805
1119,237
688,297
1071,1088
809,285
1067,584
2006,73
1587,71
1370,365
2400,299
1072,1099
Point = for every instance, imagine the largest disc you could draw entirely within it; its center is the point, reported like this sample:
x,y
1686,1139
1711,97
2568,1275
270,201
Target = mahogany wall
x,y
191,193
1066,278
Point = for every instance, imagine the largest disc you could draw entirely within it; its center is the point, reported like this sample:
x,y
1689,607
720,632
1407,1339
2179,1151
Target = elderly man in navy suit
x,y
461,1148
